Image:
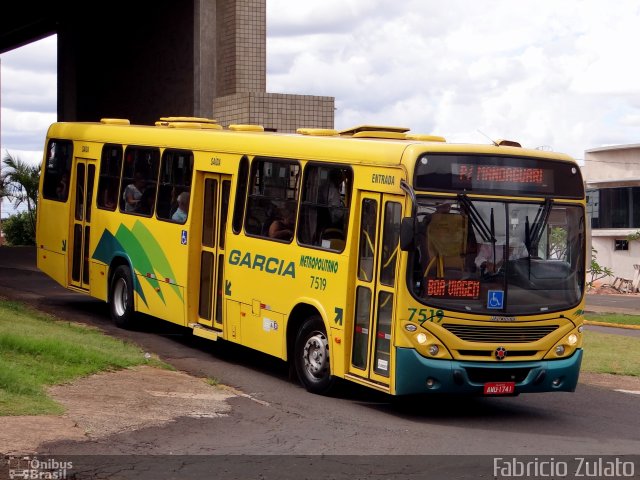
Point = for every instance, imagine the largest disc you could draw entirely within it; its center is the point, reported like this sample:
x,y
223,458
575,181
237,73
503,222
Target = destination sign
x,y
492,173
453,288
465,173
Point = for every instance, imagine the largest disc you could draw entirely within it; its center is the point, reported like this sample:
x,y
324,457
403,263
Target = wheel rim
x,y
120,297
316,356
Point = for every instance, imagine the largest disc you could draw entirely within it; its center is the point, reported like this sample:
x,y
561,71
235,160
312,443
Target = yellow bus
x,y
394,260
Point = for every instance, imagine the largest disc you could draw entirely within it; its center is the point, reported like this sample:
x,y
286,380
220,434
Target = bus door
x,y
215,207
85,171
378,250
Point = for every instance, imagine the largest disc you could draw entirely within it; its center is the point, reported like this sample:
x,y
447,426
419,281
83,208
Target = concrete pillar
x,y
205,52
242,46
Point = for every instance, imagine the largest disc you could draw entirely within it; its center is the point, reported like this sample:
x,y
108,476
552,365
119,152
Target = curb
x,y
613,325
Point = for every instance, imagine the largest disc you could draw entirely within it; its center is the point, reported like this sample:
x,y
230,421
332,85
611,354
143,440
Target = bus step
x,y
204,332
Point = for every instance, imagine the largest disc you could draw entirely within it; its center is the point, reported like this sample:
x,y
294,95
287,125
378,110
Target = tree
x,y
19,183
558,243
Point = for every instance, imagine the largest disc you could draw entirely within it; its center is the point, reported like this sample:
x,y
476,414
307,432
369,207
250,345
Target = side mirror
x,y
407,234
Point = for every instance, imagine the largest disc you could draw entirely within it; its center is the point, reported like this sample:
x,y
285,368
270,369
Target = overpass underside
x,y
145,59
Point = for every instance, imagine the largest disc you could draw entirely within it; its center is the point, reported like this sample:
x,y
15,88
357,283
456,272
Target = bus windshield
x,y
498,257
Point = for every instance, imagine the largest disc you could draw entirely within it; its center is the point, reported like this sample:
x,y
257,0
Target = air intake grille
x,y
482,375
499,334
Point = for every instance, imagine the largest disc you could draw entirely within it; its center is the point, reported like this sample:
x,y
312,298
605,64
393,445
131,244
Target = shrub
x,y
18,230
597,271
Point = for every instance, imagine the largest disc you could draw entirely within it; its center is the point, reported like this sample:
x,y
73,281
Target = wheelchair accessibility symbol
x,y
495,299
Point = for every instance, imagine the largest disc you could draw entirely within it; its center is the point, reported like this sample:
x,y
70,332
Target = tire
x,y
121,297
311,357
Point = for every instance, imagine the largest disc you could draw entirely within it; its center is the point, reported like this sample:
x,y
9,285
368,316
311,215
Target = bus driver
x,y
485,260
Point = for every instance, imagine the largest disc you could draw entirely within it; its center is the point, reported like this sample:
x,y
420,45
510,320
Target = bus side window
x,y
176,171
57,171
324,209
109,180
241,193
273,196
139,173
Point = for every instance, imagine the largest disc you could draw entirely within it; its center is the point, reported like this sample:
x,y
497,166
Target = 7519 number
x,y
426,315
319,283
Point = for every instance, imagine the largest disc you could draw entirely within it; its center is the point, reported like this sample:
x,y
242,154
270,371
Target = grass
x,y
214,382
37,350
613,318
610,353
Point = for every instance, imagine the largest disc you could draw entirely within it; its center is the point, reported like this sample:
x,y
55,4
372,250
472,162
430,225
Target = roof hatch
x,y
188,122
114,121
317,132
376,131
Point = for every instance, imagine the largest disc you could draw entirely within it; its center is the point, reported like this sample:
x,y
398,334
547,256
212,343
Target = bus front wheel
x,y
121,297
311,356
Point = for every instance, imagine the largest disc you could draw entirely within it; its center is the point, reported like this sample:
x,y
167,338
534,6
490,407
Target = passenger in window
x,y
133,192
282,227
145,205
63,187
109,196
180,215
334,197
336,179
173,204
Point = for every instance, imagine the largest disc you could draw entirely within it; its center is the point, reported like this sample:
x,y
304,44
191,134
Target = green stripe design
x,y
145,253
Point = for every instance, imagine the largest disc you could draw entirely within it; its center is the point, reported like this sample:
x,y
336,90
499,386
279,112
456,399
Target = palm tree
x,y
3,189
3,194
19,183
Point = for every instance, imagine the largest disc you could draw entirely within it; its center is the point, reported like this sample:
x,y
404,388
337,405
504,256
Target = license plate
x,y
499,388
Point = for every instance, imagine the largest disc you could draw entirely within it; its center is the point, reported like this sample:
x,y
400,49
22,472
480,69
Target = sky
x,y
556,75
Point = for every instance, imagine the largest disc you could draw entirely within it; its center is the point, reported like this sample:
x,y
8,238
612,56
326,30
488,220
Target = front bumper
x,y
453,376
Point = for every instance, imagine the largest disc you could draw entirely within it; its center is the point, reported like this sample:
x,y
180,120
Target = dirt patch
x,y
607,289
115,402
614,382
22,434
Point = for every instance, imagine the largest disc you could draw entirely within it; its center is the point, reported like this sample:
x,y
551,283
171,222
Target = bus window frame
x,y
240,200
102,190
128,180
51,183
347,184
185,187
276,203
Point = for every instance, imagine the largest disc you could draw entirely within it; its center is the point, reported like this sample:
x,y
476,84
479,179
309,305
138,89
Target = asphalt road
x,y
279,417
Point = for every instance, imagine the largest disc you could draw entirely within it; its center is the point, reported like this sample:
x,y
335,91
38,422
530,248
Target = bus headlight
x,y
433,350
560,350
421,338
572,339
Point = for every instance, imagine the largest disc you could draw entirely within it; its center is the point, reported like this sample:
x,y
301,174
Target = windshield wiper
x,y
533,234
487,233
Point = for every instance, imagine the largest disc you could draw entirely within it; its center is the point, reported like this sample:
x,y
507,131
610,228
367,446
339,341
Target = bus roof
x,y
360,145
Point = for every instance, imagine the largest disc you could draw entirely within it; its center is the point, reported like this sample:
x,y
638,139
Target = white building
x,y
612,176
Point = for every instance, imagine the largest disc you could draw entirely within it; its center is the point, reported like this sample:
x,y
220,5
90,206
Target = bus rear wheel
x,y
311,356
121,297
